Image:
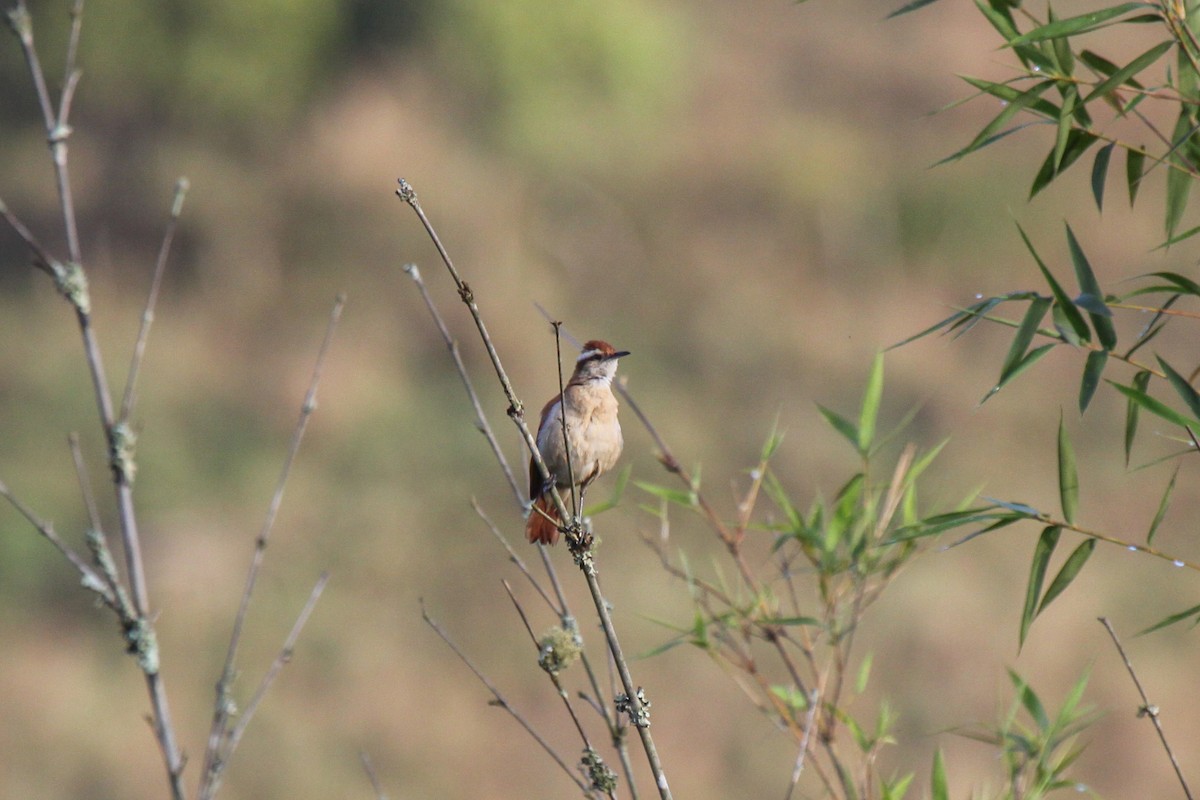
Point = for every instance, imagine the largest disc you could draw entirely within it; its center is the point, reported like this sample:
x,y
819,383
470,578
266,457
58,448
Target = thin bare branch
x,y
224,705
634,698
139,348
500,700
1148,709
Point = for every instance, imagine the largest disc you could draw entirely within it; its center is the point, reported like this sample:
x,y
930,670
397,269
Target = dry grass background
x,y
749,210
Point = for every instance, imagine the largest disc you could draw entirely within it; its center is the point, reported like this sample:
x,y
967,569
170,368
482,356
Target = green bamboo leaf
x,y
1070,569
1134,162
1179,237
1032,357
1157,407
908,7
1088,285
1125,74
1065,114
1163,504
1068,476
1185,285
1024,335
1021,101
1182,387
1179,616
1100,173
1037,573
1140,381
840,424
1007,93
939,787
1062,301
870,406
1029,701
1093,368
1179,178
1076,144
1073,26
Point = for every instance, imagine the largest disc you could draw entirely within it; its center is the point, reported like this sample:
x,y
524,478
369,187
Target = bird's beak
x,y
619,354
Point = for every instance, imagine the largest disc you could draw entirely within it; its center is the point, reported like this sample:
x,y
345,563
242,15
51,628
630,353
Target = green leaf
x,y
1088,285
1134,161
939,787
1185,285
1070,98
1029,701
1126,73
1100,173
1093,368
1021,101
907,7
1163,504
840,424
1068,476
774,439
1179,178
785,621
1061,300
1171,620
1075,144
1073,26
870,406
1037,573
1157,408
864,674
1024,335
1140,381
1032,357
1070,569
1007,93
1182,387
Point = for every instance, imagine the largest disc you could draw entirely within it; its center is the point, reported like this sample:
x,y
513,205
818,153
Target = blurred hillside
x,y
740,194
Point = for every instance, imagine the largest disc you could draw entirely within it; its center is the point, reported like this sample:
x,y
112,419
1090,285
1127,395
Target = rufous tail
x,y
538,528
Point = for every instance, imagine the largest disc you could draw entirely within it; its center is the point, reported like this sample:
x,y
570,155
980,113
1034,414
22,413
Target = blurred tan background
x,y
740,194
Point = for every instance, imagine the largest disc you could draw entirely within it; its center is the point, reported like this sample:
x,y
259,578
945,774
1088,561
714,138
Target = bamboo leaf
x,y
870,406
1185,285
1070,569
1062,301
840,424
1012,107
1073,26
1068,476
1032,357
1134,162
1140,381
1029,700
1037,573
1125,73
1076,144
1179,178
1182,387
1088,285
1024,335
1093,368
1157,407
1179,616
1100,173
1163,504
908,7
939,787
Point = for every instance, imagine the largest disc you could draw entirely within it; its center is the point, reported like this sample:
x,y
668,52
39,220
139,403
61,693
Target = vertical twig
x,y
634,702
220,732
139,347
1147,709
500,700
369,768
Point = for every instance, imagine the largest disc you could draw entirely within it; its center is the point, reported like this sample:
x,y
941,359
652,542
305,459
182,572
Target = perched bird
x,y
593,437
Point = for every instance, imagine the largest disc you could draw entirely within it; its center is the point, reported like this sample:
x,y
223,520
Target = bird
x,y
593,439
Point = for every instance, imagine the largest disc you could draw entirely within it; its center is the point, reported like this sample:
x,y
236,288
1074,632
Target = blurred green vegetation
x,y
740,195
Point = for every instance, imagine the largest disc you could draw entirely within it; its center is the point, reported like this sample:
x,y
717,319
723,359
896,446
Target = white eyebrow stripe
x,y
586,354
